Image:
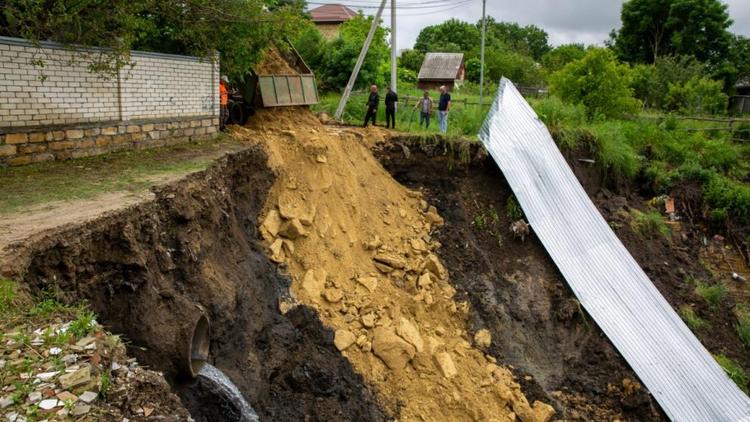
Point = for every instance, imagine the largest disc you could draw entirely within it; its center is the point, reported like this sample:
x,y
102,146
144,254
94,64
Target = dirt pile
x,y
274,64
359,250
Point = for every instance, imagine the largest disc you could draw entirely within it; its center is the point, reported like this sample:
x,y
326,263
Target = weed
x,y
649,224
83,324
47,306
7,295
713,294
513,209
691,318
480,222
733,370
743,323
104,383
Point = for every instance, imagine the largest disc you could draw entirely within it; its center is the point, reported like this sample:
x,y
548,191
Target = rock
x,y
370,283
46,376
287,247
343,339
542,411
418,245
446,365
55,351
391,260
35,396
433,217
74,379
85,341
385,269
374,243
314,282
5,402
277,251
321,159
392,349
409,332
271,224
66,395
483,338
292,229
88,396
333,295
70,359
48,404
433,265
425,280
368,320
80,409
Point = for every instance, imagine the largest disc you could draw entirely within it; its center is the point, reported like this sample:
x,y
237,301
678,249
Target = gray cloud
x,y
584,21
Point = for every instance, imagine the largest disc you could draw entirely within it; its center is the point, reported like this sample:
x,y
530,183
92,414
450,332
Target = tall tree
x,y
530,39
451,36
653,28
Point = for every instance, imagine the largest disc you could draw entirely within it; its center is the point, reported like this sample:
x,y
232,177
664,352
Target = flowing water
x,y
236,407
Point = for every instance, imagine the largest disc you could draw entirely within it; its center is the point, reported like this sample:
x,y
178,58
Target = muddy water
x,y
195,246
214,397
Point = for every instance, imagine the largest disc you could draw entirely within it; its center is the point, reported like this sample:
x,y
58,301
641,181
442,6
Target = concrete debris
x,y
76,378
88,396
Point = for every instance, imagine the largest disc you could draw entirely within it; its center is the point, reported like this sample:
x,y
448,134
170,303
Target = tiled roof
x,y
332,13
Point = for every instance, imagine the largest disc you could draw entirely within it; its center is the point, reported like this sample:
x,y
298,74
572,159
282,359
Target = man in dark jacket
x,y
372,105
390,108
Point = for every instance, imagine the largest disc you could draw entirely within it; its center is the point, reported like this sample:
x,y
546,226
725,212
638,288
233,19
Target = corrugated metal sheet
x,y
440,66
679,372
287,90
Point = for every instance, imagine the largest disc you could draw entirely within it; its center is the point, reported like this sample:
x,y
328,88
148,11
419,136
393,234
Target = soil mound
x,y
274,64
359,249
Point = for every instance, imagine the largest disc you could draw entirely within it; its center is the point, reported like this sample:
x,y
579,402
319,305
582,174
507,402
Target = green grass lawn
x,y
85,178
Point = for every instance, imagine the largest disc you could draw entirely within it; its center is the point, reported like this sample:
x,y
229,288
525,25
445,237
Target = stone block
x,y
211,129
147,127
109,130
206,122
133,129
45,156
200,131
120,139
32,148
16,138
74,133
58,135
21,160
7,150
195,123
92,132
37,137
160,126
102,141
154,134
86,143
61,145
137,137
189,132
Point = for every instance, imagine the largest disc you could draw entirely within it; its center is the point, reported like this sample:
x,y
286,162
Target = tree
x,y
411,59
699,95
558,57
530,40
452,36
598,82
652,28
238,29
651,83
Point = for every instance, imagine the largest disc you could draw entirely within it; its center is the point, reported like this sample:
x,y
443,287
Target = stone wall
x,y
53,107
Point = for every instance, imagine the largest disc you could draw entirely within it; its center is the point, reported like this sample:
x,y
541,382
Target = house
x,y
329,17
441,69
740,102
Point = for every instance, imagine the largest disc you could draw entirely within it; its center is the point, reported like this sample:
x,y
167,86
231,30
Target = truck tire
x,y
237,115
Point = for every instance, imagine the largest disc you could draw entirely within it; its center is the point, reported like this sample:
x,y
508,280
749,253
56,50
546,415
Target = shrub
x,y
699,95
598,82
691,318
556,113
724,193
513,209
713,294
733,370
616,157
649,224
651,83
743,323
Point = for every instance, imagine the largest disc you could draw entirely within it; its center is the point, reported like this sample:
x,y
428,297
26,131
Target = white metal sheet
x,y
679,372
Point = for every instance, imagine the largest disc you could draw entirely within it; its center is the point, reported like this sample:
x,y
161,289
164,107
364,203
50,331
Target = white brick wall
x,y
63,91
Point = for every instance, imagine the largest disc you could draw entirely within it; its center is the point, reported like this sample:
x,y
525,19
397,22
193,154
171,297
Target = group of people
x,y
424,105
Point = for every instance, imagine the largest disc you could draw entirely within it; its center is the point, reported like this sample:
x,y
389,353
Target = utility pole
x,y
360,59
394,76
481,54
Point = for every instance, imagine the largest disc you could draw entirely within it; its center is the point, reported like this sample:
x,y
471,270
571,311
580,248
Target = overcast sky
x,y
584,21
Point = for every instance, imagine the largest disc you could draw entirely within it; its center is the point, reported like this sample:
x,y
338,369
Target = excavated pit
x,y
147,269
558,353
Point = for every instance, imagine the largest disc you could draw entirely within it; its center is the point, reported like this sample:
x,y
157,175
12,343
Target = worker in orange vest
x,y
223,101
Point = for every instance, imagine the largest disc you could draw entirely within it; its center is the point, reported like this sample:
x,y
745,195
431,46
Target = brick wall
x,y
40,106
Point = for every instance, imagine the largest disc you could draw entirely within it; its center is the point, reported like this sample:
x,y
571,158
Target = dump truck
x,y
282,79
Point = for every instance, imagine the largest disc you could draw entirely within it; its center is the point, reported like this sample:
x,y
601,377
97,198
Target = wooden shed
x,y
740,102
441,69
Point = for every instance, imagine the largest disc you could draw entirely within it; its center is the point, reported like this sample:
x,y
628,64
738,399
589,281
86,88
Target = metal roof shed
x,y
441,69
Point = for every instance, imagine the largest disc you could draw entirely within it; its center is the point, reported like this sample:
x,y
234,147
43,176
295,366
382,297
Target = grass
x,y
85,178
691,318
649,224
734,371
7,295
743,323
713,294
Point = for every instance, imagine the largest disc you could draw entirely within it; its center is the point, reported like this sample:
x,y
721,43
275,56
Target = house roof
x,y
441,66
332,13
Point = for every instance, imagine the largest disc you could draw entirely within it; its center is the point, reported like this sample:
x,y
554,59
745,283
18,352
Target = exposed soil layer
x,y
537,325
195,247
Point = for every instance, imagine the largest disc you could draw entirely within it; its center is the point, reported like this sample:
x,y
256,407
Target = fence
x,y
729,124
52,106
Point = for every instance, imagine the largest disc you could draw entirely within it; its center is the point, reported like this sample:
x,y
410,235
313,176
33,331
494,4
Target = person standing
x,y
444,106
372,105
425,109
223,101
390,108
